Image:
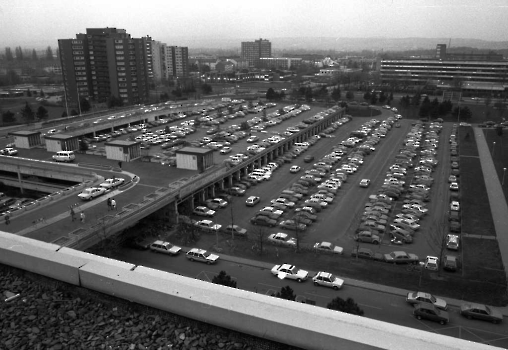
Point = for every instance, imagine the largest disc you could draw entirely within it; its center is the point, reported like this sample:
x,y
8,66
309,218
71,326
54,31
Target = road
x,y
376,305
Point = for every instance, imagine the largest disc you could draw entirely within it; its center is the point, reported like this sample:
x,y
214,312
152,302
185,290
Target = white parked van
x,y
64,156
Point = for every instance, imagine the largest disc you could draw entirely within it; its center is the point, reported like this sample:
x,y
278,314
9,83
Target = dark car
x,y
481,312
430,312
137,243
308,159
263,221
365,253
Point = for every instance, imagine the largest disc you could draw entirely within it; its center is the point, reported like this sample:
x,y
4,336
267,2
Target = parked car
x,y
481,312
282,238
292,225
263,221
367,237
165,247
290,272
365,253
328,247
204,211
201,255
450,263
236,230
328,280
400,257
208,225
429,312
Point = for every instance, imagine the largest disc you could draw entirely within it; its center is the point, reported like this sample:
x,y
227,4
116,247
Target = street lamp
x,y
504,173
493,149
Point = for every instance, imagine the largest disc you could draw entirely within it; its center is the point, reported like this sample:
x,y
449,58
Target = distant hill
x,y
338,43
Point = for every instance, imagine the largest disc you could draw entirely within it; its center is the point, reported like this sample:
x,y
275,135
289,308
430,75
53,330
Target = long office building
x,y
106,62
252,51
486,73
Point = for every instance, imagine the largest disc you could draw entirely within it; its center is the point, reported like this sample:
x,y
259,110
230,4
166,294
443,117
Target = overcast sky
x,y
40,23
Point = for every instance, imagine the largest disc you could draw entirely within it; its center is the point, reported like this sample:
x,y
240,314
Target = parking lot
x,y
338,223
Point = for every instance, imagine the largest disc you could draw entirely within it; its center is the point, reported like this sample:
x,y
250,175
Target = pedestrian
x,y
113,204
7,219
109,204
120,165
73,214
82,217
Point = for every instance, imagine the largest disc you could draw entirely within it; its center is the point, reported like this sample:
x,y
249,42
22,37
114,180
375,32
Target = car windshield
x,y
206,255
433,299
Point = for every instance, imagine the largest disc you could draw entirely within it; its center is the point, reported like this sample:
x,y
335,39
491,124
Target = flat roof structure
x,y
194,150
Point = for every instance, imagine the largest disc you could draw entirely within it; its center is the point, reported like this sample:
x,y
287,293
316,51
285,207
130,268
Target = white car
x,y
328,247
208,225
221,202
328,280
225,150
204,211
282,239
290,272
112,183
283,201
455,206
196,254
9,151
92,192
294,169
273,210
364,183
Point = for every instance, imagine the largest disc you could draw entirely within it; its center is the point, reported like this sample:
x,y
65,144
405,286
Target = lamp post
x,y
504,173
493,149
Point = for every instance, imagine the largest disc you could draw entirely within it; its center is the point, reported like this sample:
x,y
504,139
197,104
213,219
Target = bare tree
x,y
260,235
436,236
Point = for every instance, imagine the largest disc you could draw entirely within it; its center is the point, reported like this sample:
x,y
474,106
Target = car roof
x,y
197,250
324,274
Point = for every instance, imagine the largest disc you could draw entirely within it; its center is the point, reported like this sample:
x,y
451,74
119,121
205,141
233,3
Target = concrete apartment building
x,y
252,51
105,62
167,62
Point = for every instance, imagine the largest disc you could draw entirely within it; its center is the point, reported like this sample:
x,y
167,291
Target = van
x,y
64,156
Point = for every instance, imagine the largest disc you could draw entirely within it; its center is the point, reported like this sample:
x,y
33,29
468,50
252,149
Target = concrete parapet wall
x,y
301,325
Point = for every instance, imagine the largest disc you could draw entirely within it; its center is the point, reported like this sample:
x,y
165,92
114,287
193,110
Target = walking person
x,y
73,214
82,217
7,219
113,204
109,204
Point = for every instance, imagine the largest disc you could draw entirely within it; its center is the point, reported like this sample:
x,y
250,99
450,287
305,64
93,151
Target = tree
x,y
114,101
349,306
499,131
350,95
244,126
373,99
84,105
308,94
271,94
42,113
415,101
336,94
74,112
8,54
367,96
207,89
28,93
49,53
286,293
34,55
382,97
224,279
27,113
462,113
64,114
8,117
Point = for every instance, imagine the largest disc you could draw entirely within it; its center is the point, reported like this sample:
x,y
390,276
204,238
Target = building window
x,y
124,95
121,74
120,58
122,79
122,85
119,52
118,41
118,46
120,68
77,42
79,63
78,58
120,63
122,90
